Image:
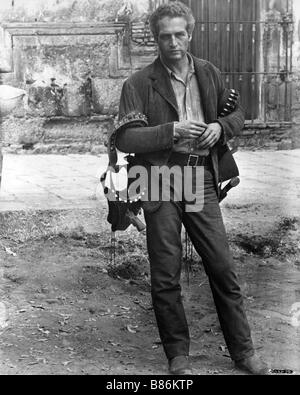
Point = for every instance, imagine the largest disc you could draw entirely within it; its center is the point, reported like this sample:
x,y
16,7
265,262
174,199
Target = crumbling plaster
x,y
68,74
74,81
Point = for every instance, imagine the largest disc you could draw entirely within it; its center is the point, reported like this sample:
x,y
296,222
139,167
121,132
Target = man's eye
x,y
167,37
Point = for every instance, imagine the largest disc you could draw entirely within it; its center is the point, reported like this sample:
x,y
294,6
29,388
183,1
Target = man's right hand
x,y
189,129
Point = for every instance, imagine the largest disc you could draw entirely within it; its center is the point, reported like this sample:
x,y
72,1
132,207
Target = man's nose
x,y
173,41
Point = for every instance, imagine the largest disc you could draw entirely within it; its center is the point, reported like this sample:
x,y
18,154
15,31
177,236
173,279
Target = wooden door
x,y
227,33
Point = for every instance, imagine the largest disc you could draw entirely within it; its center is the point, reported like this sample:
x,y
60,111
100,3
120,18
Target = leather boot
x,y
252,365
179,365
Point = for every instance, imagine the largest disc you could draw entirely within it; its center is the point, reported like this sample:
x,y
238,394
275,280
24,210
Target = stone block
x,y
64,58
98,150
59,11
286,144
264,132
22,130
69,132
271,145
44,100
33,131
106,95
248,132
76,99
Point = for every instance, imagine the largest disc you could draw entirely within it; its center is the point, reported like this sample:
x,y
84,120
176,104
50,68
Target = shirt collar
x,y
191,66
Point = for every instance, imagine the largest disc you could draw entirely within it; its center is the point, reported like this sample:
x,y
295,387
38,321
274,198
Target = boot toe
x,y
180,365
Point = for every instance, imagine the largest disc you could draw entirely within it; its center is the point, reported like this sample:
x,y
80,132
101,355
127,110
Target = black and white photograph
x,y
149,190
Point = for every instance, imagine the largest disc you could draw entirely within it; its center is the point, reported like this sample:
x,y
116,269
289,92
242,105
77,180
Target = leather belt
x,y
182,159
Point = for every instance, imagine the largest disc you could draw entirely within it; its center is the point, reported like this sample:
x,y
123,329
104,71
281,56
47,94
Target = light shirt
x,y
189,106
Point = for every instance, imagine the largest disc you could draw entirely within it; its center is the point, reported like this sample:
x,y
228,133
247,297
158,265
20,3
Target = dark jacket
x,y
150,92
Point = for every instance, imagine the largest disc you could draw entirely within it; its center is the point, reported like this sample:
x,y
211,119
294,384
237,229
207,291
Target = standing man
x,y
178,98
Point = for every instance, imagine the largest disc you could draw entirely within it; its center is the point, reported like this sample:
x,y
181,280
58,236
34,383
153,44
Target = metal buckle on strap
x,y
190,160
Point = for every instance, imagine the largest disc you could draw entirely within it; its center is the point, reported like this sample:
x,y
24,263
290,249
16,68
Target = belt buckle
x,y
189,160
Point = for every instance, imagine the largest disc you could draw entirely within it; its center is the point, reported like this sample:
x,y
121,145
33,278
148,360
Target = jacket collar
x,y
162,84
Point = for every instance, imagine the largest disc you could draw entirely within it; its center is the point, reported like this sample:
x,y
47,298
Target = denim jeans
x,y
207,233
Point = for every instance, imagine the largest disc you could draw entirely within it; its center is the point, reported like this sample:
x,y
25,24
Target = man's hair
x,y
172,10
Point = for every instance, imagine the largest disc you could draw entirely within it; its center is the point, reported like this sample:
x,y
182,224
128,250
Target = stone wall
x,y
59,10
270,138
71,57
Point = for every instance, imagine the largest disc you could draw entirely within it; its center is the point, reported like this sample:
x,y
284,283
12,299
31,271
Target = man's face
x,y
173,38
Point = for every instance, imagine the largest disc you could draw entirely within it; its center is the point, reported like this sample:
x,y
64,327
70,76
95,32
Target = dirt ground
x,y
67,309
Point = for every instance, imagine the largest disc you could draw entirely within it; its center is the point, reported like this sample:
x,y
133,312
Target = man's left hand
x,y
210,136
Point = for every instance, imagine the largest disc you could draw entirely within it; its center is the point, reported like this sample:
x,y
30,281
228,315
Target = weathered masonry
x,y
72,57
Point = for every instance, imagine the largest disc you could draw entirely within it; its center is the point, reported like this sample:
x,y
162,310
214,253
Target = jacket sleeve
x,y
142,139
233,123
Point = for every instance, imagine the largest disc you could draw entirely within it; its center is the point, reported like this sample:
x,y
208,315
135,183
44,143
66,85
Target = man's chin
x,y
175,56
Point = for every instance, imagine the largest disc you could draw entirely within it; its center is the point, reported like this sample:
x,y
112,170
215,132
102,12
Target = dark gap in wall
x,y
28,146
